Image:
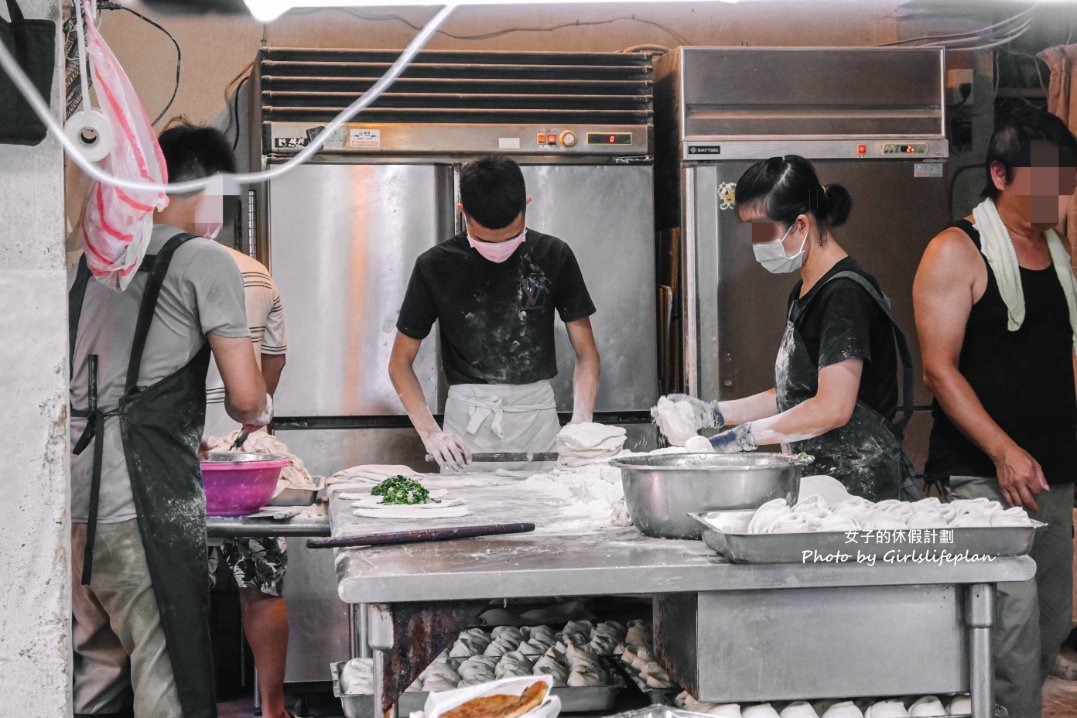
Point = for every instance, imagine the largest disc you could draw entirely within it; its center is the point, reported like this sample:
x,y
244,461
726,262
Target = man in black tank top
x,y
998,349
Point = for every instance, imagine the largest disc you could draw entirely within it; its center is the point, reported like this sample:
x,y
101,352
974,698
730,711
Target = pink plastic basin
x,y
237,488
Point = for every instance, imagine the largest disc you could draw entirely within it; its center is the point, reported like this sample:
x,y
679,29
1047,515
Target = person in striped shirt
x,y
257,564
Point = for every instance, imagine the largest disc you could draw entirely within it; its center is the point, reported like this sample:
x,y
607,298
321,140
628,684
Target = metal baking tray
x,y
830,546
658,712
573,700
355,705
294,497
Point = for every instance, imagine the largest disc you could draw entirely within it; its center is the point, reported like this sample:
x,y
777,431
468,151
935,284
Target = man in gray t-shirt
x,y
202,294
140,620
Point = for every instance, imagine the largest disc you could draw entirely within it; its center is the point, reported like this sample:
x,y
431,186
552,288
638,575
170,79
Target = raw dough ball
x,y
639,635
927,707
611,629
582,676
845,709
724,710
576,654
887,709
799,709
552,668
357,678
511,632
435,684
514,664
471,642
583,628
960,705
699,445
763,710
502,645
675,419
602,645
528,648
542,635
480,668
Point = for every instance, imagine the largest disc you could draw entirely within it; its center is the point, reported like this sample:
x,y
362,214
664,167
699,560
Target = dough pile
x,y
917,707
592,490
372,474
813,514
587,443
637,650
676,420
295,476
570,656
357,677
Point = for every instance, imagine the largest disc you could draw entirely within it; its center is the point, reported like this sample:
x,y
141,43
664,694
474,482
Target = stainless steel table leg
x,y
979,616
364,631
358,629
379,640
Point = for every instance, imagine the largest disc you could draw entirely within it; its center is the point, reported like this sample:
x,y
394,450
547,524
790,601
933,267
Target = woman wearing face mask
x,y
836,388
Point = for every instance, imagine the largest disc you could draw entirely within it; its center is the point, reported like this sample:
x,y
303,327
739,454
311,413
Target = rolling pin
x,y
421,535
509,457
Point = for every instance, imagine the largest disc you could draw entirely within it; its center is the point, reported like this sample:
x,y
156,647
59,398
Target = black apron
x,y
865,454
161,426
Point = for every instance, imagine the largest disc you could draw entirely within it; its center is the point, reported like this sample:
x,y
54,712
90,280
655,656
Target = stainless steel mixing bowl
x,y
661,490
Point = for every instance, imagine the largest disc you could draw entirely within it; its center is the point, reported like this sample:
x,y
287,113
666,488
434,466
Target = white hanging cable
x,y
80,33
41,109
1002,41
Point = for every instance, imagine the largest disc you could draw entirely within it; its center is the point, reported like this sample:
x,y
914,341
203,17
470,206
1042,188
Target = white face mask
x,y
773,257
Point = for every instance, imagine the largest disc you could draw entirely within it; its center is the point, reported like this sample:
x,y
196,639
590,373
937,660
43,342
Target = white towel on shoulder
x,y
997,248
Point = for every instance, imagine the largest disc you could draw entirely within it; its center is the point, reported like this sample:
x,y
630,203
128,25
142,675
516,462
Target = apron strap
x,y
14,12
159,269
907,386
75,298
95,425
883,301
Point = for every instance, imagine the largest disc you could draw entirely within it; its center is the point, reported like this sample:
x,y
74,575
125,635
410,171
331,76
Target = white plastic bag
x,y
117,223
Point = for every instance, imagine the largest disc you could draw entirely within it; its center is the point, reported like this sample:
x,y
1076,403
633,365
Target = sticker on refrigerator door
x,y
508,143
927,169
364,139
727,194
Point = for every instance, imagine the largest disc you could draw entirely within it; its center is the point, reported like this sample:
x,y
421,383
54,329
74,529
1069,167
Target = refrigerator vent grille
x,y
479,88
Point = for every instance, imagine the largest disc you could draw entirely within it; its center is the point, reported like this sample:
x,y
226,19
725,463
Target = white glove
x,y
706,413
449,450
263,419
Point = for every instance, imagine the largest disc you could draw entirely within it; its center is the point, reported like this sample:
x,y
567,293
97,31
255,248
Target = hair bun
x,y
838,204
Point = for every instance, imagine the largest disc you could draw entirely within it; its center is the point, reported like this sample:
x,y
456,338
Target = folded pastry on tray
x,y
502,705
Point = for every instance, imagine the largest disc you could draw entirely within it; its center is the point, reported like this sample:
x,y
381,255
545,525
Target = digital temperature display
x,y
609,138
915,148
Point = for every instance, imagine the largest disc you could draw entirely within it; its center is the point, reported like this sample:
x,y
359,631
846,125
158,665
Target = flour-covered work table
x,y
727,632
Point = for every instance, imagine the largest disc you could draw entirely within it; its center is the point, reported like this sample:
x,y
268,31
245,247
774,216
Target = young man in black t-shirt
x,y
493,291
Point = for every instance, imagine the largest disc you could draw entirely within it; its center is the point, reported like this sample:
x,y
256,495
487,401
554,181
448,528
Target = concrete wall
x,y
35,651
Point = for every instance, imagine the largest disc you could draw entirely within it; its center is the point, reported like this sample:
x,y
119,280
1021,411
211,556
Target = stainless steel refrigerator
x,y
871,119
341,235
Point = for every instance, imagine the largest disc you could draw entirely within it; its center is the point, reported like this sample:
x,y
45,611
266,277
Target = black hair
x,y
192,152
787,187
1017,124
492,191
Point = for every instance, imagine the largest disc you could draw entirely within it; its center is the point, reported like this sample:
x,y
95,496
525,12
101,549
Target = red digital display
x,y
609,138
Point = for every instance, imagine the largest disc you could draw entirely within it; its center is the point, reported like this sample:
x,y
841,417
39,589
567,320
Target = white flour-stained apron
x,y
504,417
